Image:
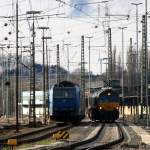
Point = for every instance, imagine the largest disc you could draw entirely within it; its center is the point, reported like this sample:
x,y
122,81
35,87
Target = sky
x,y
68,20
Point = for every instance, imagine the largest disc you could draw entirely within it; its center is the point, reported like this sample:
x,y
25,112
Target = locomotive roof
x,y
103,90
65,84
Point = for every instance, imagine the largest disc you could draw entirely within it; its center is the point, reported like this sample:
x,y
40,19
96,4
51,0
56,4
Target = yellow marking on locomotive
x,y
109,106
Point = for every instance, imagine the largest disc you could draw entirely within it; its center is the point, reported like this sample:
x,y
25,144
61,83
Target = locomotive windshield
x,y
108,96
64,93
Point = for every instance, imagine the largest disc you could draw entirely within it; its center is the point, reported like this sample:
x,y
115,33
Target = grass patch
x,y
29,145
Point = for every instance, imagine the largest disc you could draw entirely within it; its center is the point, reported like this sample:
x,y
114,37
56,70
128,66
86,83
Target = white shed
x,y
38,102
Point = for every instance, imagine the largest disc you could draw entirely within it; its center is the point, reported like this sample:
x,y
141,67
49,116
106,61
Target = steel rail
x,y
33,136
112,143
97,146
41,135
74,145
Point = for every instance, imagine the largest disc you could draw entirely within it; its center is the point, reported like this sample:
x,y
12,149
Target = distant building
x,y
38,102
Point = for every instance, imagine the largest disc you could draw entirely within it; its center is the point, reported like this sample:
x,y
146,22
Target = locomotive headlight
x,y
109,94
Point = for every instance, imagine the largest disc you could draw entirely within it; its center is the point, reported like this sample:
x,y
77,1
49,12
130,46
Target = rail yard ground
x,y
136,135
76,133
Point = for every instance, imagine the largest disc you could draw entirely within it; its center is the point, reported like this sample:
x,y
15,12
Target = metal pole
x,y
101,66
58,65
44,100
89,47
44,80
122,72
122,28
82,95
143,64
21,84
137,51
32,80
89,72
147,104
107,70
110,74
68,60
68,65
17,69
8,109
7,88
49,63
47,72
32,103
2,84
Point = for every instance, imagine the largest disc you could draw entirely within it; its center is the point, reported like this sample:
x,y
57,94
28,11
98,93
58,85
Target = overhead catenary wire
x,y
97,37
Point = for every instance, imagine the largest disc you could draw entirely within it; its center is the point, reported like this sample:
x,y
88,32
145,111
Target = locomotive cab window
x,y
64,93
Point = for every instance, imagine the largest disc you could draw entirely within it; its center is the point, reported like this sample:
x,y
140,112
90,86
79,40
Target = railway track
x,y
101,140
110,139
11,127
36,135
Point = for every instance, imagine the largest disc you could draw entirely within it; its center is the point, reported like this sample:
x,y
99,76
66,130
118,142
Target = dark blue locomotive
x,y
65,102
104,105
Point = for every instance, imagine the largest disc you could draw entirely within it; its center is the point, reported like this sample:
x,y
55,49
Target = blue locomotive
x,y
104,105
65,102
